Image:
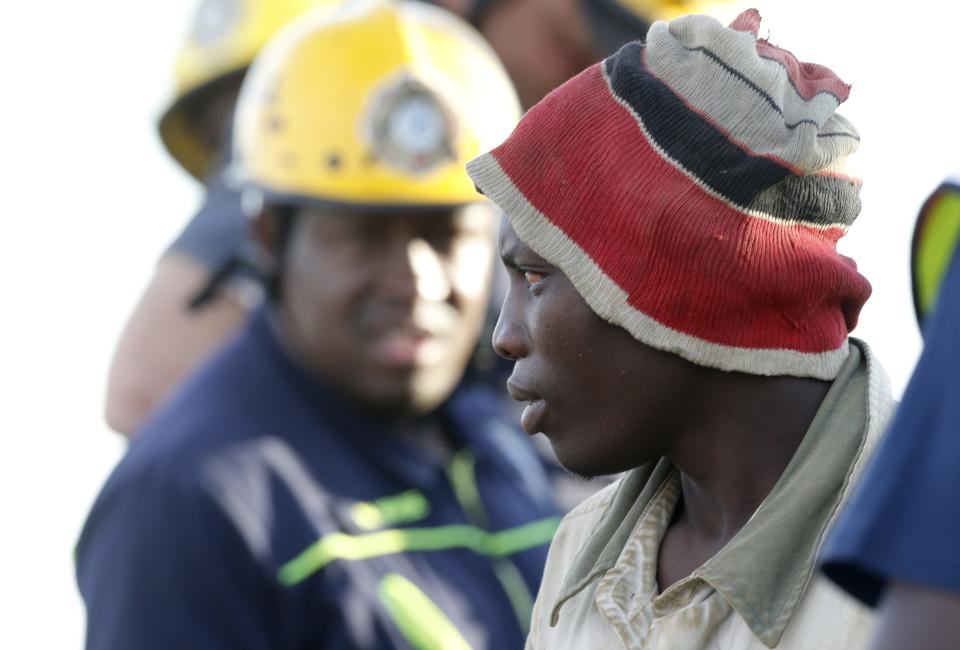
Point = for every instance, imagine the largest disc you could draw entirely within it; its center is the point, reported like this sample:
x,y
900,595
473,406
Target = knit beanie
x,y
693,190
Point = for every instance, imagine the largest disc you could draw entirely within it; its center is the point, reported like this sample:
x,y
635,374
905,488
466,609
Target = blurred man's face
x,y
386,308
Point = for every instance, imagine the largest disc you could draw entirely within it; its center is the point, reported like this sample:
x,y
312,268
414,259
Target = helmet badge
x,y
409,128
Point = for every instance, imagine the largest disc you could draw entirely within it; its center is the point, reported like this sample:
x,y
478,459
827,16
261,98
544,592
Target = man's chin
x,y
585,465
408,393
407,401
389,408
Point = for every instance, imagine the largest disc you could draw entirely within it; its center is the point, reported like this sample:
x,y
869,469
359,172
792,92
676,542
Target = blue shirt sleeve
x,y
217,232
903,522
159,565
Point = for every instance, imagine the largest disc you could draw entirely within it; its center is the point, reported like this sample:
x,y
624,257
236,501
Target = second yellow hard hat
x,y
379,103
222,41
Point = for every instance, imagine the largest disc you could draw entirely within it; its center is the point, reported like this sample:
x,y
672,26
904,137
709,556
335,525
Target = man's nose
x,y
509,336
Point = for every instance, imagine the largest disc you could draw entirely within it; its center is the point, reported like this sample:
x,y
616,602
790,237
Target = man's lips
x,y
535,410
407,340
520,392
399,348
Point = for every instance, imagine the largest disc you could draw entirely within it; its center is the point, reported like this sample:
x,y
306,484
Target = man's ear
x,y
268,232
265,230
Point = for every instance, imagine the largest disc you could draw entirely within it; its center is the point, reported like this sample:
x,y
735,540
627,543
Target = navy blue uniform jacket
x,y
258,510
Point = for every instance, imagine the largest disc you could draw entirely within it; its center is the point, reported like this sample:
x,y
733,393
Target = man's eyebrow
x,y
509,256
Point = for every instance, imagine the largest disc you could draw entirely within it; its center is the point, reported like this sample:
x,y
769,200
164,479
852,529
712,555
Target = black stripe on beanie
x,y
823,200
748,181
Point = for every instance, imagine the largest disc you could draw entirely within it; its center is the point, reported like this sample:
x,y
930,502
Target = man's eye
x,y
533,277
442,240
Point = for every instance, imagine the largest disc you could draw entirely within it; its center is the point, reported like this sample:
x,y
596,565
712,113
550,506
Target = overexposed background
x,y
90,200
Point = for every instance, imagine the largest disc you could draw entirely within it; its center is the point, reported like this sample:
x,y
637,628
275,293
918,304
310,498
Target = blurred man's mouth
x,y
417,338
399,348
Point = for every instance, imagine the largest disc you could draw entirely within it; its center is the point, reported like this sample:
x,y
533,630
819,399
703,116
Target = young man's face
x,y
386,308
606,401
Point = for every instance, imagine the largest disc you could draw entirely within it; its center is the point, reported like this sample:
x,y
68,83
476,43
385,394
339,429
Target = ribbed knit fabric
x,y
693,189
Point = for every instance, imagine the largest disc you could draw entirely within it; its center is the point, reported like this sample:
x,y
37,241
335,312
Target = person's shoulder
x,y
182,468
167,459
223,399
826,617
175,452
146,497
240,368
183,436
569,540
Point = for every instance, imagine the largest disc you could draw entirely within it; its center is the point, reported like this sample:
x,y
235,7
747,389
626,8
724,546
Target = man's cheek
x,y
471,267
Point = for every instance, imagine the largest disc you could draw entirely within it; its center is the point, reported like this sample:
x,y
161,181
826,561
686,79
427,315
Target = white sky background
x,y
90,200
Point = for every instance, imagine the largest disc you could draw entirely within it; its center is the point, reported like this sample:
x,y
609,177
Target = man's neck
x,y
732,450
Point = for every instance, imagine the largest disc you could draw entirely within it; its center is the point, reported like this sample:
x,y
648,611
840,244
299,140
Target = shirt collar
x,y
764,570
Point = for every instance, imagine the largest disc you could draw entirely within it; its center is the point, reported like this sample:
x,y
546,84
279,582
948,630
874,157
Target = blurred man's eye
x,y
441,238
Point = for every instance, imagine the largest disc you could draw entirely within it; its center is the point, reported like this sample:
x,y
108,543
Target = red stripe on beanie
x,y
684,257
808,79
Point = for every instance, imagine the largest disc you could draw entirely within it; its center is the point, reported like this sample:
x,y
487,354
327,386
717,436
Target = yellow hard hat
x,y
224,38
379,104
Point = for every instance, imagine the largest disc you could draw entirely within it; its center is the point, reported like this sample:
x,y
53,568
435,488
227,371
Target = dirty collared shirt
x,y
760,591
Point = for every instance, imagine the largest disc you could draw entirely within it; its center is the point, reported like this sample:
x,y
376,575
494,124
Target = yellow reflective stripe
x,y
401,508
464,481
341,546
419,619
935,248
514,540
521,600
